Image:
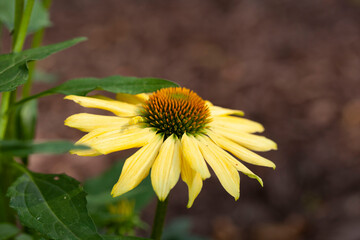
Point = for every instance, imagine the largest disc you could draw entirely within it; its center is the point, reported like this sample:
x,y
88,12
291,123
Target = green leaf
x,y
114,84
25,148
107,237
24,237
13,66
8,231
52,204
39,17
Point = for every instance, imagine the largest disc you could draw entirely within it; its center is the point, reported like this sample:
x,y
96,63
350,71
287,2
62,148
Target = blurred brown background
x,y
292,65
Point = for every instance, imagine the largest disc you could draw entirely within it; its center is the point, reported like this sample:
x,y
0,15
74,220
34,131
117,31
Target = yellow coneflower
x,y
178,133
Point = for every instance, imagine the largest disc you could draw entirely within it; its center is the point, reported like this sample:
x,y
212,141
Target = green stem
x,y
5,103
24,23
36,42
19,10
159,219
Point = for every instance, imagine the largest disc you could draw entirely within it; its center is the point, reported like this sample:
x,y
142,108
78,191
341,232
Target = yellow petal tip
x,y
69,97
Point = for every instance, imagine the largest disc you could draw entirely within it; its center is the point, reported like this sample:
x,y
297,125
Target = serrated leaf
x,y
52,204
39,17
8,231
25,148
13,67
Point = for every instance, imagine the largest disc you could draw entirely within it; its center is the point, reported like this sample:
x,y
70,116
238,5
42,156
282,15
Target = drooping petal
x,y
251,141
220,111
165,172
192,179
137,167
193,156
236,124
87,122
119,108
132,99
227,157
111,140
240,152
225,171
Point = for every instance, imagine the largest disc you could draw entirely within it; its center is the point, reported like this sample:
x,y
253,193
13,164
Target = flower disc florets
x,y
176,111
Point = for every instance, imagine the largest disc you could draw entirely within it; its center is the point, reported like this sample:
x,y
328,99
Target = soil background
x,y
294,66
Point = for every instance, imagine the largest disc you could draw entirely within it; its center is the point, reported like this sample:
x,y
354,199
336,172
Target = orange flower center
x,y
176,111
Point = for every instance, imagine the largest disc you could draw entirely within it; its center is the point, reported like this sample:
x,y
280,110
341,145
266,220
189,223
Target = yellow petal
x,y
192,179
219,111
236,124
137,167
240,152
112,140
226,172
251,141
193,156
166,169
227,157
87,122
132,99
119,108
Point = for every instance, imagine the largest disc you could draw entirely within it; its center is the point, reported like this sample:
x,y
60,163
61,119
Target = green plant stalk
x,y
159,219
24,23
5,104
36,42
19,10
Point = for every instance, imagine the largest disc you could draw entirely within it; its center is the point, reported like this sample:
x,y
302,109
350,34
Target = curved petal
x,y
251,141
226,156
241,152
226,172
111,140
87,122
119,108
219,111
193,156
137,167
132,99
236,124
166,169
192,179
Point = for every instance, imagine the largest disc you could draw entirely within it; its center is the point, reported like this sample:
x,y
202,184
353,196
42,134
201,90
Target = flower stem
x,y
36,42
159,219
5,103
20,34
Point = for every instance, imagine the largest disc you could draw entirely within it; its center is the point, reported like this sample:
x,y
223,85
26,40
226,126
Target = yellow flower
x,y
178,133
